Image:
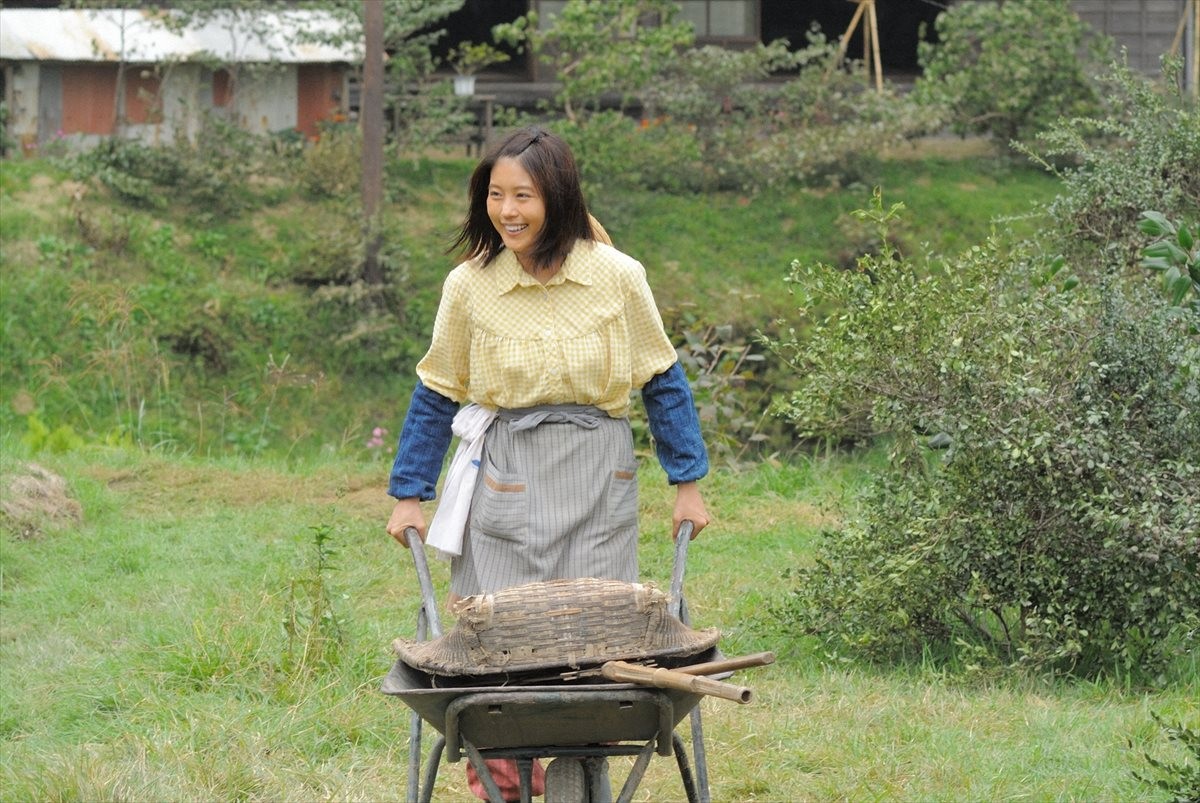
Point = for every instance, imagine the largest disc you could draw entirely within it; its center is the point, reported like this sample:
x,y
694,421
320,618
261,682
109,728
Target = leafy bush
x,y
1179,780
711,122
1176,255
332,166
1144,153
1041,505
136,173
211,174
732,385
1005,69
652,156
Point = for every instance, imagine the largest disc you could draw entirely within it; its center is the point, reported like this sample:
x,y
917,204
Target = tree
x,y
1006,69
614,47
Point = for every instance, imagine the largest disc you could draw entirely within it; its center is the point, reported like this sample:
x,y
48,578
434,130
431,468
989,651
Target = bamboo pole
x,y
874,20
865,14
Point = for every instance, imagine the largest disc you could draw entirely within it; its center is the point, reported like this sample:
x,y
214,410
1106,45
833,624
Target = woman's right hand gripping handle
x,y
407,513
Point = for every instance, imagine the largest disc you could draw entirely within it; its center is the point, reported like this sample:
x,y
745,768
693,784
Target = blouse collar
x,y
510,274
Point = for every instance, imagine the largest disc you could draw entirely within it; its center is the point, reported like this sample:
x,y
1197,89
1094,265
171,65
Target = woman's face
x,y
515,207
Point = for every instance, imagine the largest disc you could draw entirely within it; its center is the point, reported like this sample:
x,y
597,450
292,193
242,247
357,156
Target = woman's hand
x,y
407,513
689,506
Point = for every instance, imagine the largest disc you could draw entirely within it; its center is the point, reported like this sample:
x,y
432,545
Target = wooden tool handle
x,y
623,672
728,664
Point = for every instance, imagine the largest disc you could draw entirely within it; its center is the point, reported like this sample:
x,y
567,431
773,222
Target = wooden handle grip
x,y
623,672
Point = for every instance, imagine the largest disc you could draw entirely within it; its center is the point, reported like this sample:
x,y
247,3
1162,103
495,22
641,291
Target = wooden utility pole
x,y
370,113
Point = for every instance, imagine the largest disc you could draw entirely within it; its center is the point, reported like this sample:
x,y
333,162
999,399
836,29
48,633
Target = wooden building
x,y
79,75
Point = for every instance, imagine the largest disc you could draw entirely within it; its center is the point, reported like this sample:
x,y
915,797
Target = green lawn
x,y
145,654
180,644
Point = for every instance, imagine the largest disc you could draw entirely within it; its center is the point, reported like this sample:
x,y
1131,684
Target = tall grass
x,y
147,654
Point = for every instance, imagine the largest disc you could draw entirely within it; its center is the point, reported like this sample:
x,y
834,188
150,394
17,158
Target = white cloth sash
x,y
450,519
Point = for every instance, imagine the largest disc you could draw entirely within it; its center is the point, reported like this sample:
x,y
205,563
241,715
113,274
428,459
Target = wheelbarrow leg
x,y
428,624
639,770
414,730
431,770
485,775
699,756
685,772
525,773
414,759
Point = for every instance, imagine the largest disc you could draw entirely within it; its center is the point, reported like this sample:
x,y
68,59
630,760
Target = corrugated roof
x,y
54,34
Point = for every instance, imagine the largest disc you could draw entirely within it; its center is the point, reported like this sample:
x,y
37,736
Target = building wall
x,y
76,102
21,94
266,99
1146,28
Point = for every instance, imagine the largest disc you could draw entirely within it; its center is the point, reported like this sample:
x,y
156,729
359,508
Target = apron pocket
x,y
503,505
623,498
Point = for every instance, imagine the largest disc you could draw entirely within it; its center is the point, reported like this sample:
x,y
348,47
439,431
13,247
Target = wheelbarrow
x,y
563,715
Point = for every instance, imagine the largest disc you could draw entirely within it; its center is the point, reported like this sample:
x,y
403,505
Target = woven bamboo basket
x,y
556,624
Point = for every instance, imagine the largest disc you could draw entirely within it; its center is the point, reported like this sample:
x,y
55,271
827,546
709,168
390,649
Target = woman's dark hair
x,y
550,163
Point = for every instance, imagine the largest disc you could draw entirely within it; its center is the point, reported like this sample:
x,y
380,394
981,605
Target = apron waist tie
x,y
586,416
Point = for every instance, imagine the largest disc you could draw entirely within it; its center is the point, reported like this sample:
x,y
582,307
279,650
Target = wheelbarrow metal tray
x,y
515,716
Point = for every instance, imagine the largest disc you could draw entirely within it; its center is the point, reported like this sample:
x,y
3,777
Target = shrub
x,y
1176,255
1179,780
1040,509
1005,69
653,156
332,166
212,174
711,122
1144,153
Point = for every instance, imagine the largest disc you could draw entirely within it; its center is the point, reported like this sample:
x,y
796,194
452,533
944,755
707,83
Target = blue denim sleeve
x,y
675,426
424,441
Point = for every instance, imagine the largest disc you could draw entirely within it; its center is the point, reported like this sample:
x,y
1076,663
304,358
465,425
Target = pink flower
x,y
376,439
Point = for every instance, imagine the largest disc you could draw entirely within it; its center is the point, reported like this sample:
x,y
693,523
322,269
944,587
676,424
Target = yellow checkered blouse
x,y
590,335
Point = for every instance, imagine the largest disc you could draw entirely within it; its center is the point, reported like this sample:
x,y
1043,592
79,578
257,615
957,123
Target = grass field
x,y
216,627
169,648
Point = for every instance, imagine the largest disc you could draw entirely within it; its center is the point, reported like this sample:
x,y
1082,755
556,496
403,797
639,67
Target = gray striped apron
x,y
556,498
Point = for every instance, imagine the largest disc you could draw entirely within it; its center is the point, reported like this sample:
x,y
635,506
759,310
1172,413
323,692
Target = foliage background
x,y
1003,521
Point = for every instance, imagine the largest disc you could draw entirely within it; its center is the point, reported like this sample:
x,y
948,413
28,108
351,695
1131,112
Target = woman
x,y
544,330
551,329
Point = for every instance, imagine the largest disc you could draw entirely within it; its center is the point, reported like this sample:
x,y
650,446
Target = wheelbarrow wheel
x,y
575,780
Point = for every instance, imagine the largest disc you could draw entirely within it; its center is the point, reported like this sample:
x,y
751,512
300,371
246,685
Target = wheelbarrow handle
x,y
428,597
682,539
623,672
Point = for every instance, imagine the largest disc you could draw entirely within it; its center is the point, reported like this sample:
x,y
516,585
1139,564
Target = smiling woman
x,y
542,333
